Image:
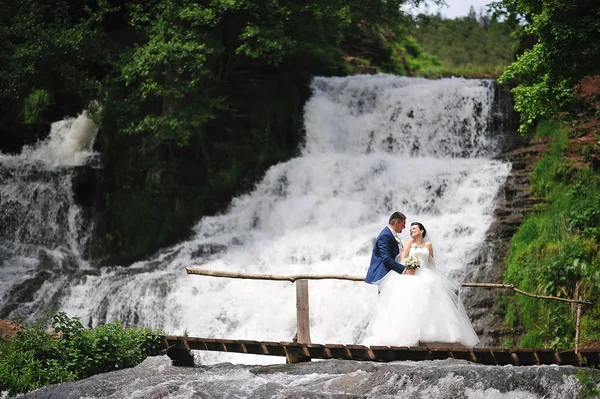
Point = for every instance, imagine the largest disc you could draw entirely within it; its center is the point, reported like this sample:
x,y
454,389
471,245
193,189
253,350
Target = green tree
x,y
478,43
566,51
196,99
51,62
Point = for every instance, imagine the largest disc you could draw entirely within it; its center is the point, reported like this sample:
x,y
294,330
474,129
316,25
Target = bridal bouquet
x,y
412,262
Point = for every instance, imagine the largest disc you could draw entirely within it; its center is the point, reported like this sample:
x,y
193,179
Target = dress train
x,y
422,307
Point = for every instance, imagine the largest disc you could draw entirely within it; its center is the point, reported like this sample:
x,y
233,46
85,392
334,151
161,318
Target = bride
x,y
419,308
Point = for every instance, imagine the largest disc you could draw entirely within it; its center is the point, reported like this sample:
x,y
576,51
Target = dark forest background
x,y
195,100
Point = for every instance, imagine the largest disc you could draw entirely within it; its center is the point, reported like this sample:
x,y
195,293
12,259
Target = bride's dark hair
x,y
421,227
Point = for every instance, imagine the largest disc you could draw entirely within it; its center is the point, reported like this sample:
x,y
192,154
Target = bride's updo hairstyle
x,y
421,227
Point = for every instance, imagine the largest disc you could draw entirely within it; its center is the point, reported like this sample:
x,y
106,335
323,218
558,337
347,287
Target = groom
x,y
386,248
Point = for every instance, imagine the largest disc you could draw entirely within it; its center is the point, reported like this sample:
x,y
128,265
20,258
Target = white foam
x,y
319,213
70,143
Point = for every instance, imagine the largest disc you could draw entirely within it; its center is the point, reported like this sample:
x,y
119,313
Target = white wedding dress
x,y
424,307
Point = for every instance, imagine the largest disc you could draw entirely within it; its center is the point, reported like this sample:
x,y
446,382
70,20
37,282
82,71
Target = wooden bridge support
x,y
179,352
296,351
297,354
302,312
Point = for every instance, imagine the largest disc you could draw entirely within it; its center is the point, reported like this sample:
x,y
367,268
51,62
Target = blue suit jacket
x,y
385,251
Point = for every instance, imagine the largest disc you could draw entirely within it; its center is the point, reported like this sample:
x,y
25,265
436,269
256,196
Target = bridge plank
x,y
339,351
414,353
569,357
296,352
590,356
319,351
440,353
360,352
484,356
234,346
546,356
383,353
463,354
504,356
254,347
274,349
525,356
214,345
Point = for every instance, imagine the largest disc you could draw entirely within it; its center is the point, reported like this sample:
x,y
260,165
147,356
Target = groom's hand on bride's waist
x,y
410,271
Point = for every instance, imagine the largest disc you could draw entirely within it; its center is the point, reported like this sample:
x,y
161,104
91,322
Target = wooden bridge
x,y
302,349
178,349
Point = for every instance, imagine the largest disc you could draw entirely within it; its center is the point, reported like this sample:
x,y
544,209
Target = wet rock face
x,y
514,201
85,185
442,379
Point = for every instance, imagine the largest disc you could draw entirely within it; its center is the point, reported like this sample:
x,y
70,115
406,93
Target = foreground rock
x,y
156,378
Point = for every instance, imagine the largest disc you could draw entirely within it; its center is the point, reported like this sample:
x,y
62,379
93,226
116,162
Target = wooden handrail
x,y
295,277
290,278
303,331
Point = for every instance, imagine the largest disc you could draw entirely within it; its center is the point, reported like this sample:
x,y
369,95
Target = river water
x,y
446,379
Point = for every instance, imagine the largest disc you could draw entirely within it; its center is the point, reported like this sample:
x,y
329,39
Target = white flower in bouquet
x,y
412,262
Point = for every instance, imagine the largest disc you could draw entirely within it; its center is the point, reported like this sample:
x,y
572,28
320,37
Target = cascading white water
x,y
42,229
374,145
70,143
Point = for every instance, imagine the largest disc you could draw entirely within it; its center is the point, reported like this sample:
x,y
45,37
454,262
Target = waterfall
x,y
43,231
374,145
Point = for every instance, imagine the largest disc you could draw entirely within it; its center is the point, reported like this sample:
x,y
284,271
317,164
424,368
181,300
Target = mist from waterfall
x,y
374,145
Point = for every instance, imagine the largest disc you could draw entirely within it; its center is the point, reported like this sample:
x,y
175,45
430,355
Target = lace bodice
x,y
422,254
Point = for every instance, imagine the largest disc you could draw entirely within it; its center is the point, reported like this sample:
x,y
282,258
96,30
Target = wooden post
x,y
302,312
578,327
296,354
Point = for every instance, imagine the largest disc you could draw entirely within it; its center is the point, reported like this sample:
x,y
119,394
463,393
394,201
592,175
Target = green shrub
x,y
556,250
549,128
35,357
587,152
533,339
35,102
590,383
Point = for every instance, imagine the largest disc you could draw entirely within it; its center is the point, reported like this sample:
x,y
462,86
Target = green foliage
x,y
194,100
475,44
566,51
556,250
591,385
551,170
50,50
35,357
418,61
35,102
548,128
209,96
431,46
533,339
